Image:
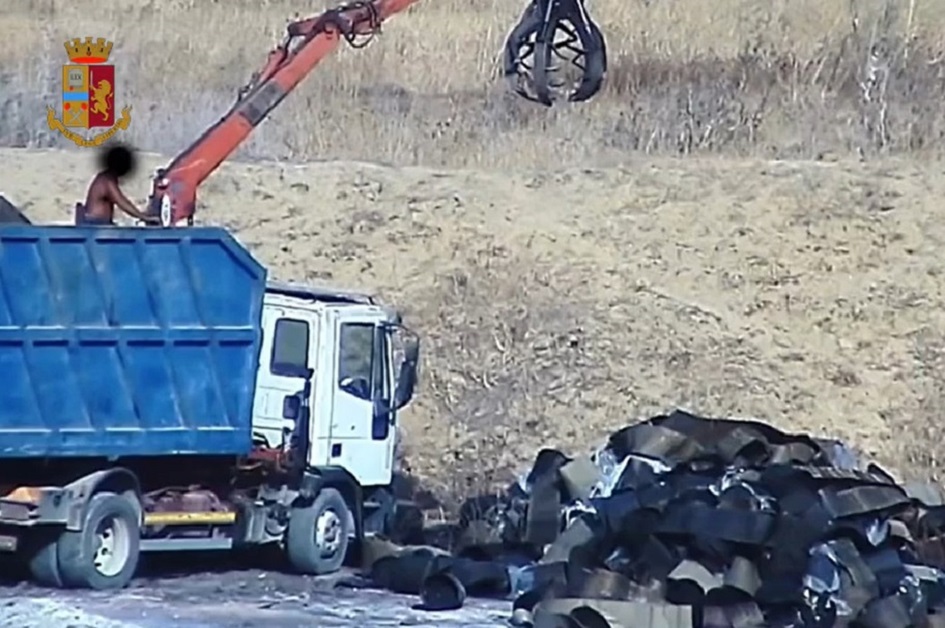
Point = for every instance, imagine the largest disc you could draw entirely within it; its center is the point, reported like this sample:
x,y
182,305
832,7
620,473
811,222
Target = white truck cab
x,y
331,351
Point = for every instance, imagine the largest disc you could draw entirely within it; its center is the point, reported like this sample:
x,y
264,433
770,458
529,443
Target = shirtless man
x,y
104,194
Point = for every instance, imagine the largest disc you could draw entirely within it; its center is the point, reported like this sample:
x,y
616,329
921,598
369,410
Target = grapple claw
x,y
555,51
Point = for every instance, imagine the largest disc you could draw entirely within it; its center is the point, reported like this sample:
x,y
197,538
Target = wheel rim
x,y
328,533
112,546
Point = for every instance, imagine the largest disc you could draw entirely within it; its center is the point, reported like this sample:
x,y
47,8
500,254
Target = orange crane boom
x,y
307,42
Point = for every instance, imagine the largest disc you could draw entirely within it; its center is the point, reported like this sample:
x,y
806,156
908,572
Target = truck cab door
x,y
288,351
362,433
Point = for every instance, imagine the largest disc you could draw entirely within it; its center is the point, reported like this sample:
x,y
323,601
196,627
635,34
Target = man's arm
x,y
124,203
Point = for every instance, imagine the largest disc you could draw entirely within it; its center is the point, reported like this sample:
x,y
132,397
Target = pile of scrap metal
x,y
682,521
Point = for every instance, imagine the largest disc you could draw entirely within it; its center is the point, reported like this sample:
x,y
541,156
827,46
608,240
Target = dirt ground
x,y
214,592
556,307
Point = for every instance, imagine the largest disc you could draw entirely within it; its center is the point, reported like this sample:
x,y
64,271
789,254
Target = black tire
x,y
330,513
80,564
41,558
380,520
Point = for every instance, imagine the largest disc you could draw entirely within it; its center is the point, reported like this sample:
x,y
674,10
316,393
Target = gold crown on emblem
x,y
89,51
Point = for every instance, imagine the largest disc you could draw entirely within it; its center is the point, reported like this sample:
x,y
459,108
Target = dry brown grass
x,y
559,304
557,307
771,78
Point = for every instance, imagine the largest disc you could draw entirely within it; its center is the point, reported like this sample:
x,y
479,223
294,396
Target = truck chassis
x,y
89,532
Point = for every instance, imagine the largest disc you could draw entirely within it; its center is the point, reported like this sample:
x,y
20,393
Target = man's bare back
x,y
104,193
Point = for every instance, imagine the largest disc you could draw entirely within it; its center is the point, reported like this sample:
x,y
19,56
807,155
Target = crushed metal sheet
x,y
682,521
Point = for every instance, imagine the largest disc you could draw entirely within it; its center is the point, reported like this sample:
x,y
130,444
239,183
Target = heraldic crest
x,y
88,94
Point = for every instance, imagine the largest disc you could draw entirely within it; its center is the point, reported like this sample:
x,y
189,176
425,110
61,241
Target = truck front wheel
x,y
104,553
317,538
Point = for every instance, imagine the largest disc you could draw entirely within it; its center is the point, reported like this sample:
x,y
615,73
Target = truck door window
x,y
290,348
356,359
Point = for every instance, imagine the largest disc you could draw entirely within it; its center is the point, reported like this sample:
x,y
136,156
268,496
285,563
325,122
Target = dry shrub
x,y
772,103
521,351
506,353
785,79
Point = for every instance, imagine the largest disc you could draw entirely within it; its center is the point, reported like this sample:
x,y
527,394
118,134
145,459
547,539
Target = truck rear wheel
x,y
317,538
104,553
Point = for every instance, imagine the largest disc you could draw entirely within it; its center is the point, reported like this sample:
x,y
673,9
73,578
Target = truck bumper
x,y
40,506
15,519
9,542
17,513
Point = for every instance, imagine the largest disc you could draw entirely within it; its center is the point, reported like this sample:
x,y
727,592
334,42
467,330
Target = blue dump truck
x,y
159,394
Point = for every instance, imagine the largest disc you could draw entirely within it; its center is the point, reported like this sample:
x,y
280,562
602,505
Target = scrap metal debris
x,y
684,522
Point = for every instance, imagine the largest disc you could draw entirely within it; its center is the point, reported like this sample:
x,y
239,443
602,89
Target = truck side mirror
x,y
291,404
407,379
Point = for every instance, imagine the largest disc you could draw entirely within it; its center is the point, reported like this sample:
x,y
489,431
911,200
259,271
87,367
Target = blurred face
x,y
118,161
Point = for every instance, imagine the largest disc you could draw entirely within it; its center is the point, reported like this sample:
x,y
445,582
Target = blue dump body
x,y
126,341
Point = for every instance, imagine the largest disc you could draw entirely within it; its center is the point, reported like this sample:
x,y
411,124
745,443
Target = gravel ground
x,y
43,609
237,598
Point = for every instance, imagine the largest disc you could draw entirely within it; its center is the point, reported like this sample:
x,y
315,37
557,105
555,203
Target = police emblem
x,y
88,94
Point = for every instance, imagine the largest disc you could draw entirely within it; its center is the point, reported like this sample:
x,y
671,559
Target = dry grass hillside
x,y
555,308
568,271
769,78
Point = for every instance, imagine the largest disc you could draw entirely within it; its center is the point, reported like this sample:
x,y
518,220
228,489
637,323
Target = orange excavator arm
x,y
307,42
